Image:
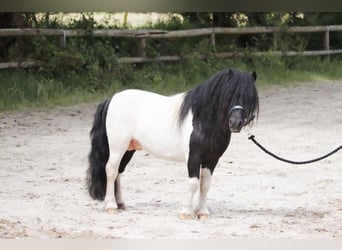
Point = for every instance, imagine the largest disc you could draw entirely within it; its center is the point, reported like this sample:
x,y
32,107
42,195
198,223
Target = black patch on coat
x,y
210,103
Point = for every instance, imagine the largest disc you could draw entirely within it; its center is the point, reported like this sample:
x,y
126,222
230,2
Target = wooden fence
x,y
144,34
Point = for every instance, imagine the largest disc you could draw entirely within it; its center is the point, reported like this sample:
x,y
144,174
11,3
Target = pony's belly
x,y
170,155
162,149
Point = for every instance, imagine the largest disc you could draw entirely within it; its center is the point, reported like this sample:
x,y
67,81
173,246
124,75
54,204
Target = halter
x,y
238,107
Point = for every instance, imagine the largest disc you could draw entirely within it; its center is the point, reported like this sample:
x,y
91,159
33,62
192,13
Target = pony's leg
x,y
194,164
112,167
201,210
118,195
118,143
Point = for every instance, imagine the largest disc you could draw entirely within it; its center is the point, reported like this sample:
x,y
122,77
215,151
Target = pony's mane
x,y
211,101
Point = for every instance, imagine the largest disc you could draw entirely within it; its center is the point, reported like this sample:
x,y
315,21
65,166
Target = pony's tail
x,y
99,153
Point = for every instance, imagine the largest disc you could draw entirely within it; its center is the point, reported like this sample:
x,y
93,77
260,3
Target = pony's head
x,y
244,104
228,100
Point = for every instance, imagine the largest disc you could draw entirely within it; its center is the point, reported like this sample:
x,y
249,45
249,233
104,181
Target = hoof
x,y
202,216
111,210
121,206
184,216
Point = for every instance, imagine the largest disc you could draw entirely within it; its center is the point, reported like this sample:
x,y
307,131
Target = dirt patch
x,y
43,162
12,229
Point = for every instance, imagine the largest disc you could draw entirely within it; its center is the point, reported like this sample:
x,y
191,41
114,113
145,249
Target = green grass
x,y
34,90
22,90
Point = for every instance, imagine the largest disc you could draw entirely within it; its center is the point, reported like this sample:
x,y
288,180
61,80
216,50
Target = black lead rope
x,y
252,137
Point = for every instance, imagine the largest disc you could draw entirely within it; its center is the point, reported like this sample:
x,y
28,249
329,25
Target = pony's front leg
x,y
193,170
186,211
201,210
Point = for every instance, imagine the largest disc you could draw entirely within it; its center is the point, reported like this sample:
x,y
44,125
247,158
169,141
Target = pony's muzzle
x,y
235,124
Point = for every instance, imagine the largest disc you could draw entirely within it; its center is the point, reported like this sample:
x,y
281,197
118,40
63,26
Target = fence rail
x,y
144,34
152,33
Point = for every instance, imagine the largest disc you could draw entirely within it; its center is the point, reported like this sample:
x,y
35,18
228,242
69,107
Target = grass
x,y
22,89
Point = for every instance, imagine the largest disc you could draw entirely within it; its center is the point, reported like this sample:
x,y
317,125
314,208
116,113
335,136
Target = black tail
x,y
99,153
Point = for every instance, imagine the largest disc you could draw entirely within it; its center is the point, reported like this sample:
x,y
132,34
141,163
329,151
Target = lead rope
x,y
252,137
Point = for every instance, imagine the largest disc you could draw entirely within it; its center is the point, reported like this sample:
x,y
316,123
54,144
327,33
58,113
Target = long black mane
x,y
211,101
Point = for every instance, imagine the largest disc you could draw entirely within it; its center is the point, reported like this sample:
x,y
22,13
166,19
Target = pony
x,y
194,127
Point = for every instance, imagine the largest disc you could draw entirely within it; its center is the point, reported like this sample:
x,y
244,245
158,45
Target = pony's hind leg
x,y
116,153
111,173
118,195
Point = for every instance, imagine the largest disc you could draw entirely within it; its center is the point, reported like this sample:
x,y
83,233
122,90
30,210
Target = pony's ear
x,y
230,72
254,74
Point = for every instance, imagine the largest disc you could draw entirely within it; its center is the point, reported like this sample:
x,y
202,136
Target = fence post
x,y
327,41
274,41
63,39
141,47
212,39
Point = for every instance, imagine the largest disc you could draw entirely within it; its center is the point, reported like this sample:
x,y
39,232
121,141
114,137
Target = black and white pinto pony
x,y
194,127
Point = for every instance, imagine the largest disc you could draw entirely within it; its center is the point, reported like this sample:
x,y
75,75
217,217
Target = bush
x,y
87,68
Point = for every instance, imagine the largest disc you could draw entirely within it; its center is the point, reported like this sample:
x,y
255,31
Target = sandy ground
x,y
43,162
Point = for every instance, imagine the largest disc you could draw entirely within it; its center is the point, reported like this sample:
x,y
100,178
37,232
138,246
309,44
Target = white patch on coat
x,y
139,119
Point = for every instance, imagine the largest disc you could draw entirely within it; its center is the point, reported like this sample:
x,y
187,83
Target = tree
x,y
13,20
